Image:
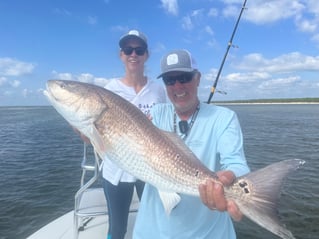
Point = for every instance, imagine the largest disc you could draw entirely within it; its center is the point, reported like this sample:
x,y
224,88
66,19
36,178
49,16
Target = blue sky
x,y
275,53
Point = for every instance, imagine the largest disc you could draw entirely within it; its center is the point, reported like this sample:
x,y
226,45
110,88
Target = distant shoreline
x,y
266,103
271,101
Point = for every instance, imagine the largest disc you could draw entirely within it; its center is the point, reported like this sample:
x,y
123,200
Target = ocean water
x,y
40,158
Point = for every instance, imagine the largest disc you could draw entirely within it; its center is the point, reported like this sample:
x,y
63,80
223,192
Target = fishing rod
x,y
230,43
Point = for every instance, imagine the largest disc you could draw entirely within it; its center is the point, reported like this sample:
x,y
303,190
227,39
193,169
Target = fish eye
x,y
63,86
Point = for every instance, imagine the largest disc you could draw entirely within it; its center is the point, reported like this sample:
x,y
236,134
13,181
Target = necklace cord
x,y
184,127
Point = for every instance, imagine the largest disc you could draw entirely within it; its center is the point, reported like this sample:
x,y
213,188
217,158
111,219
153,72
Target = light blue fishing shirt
x,y
216,139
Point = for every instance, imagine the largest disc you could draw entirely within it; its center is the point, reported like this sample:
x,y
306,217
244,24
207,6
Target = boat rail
x,y
89,201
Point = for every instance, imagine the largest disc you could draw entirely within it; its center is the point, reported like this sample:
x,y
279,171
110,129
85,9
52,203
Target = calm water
x,y
40,159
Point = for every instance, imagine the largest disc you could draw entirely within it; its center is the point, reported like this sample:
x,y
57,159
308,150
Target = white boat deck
x,y
90,213
94,227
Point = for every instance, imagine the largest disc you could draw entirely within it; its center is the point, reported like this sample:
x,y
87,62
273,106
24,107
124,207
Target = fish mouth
x,y
47,92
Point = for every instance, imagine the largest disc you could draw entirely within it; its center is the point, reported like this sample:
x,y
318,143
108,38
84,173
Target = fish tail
x,y
257,195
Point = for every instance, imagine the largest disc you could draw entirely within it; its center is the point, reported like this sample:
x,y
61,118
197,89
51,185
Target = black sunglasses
x,y
140,51
182,78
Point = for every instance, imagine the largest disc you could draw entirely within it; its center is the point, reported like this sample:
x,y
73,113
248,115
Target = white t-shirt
x,y
151,94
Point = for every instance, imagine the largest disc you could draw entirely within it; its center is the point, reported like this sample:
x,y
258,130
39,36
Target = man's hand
x,y
212,195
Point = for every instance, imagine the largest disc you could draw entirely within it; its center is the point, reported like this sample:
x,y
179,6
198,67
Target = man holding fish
x,y
213,133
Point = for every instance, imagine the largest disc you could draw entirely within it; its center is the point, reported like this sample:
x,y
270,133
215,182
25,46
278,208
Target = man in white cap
x,y
213,133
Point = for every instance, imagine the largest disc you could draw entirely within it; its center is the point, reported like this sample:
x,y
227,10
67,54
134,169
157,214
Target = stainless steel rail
x,y
89,201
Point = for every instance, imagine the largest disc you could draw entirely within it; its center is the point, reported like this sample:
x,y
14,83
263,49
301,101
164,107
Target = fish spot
x,y
244,186
196,173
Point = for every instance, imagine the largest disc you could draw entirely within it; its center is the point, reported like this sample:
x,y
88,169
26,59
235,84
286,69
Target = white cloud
x,y
13,67
261,12
83,77
211,75
170,6
3,80
278,83
288,75
187,23
101,81
62,76
193,19
230,11
198,13
313,5
291,62
306,25
209,30
246,77
315,38
40,91
25,93
308,21
213,12
303,13
15,83
8,93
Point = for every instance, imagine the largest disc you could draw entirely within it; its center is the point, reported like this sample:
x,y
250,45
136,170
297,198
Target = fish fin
x,y
259,195
169,200
98,142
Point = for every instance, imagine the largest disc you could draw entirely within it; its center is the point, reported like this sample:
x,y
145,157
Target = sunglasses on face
x,y
140,51
182,78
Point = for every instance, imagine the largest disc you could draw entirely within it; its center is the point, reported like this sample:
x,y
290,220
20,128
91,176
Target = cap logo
x,y
172,59
133,32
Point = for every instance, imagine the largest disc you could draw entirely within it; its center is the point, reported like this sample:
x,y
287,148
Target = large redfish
x,y
119,130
